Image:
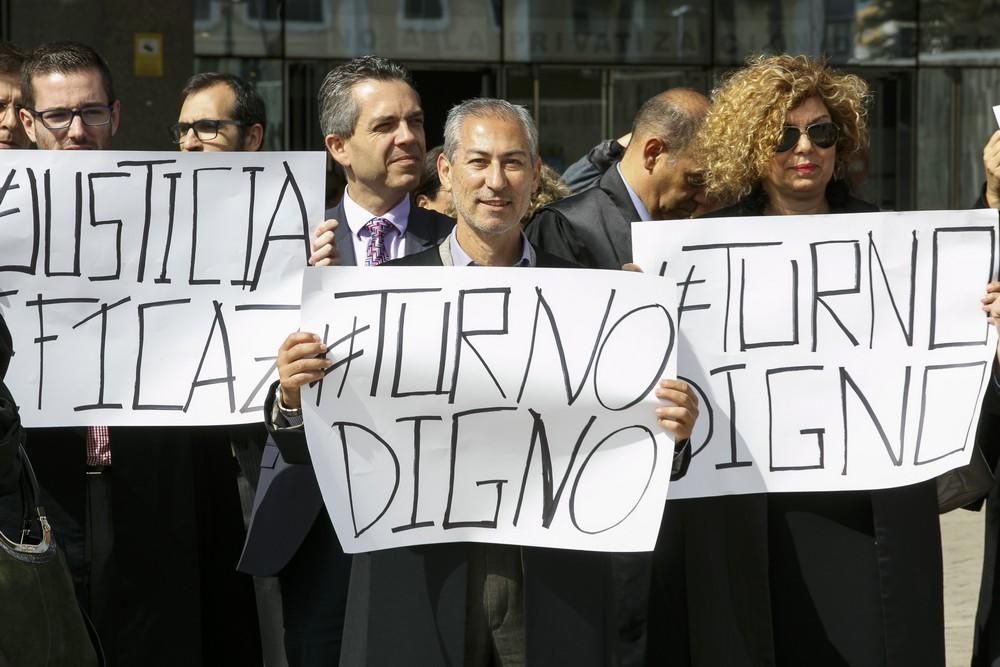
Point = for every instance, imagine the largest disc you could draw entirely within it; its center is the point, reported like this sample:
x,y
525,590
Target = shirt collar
x,y
640,208
460,258
358,217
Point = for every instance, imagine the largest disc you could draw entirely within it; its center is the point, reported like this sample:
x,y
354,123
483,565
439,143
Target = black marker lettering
x,y
136,392
228,379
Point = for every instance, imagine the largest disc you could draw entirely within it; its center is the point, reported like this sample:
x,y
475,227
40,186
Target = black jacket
x,y
11,433
591,228
844,578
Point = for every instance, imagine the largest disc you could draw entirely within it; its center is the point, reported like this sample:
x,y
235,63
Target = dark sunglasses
x,y
821,135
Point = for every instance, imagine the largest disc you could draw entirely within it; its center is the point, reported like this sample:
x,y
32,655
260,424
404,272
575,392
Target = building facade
x,y
584,66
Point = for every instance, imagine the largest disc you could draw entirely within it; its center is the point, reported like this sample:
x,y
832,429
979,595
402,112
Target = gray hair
x,y
488,107
338,112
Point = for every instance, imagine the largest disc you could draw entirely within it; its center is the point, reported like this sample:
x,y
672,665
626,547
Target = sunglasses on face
x,y
821,135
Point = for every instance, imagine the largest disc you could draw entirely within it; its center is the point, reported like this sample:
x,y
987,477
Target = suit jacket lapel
x,y
420,230
619,232
342,235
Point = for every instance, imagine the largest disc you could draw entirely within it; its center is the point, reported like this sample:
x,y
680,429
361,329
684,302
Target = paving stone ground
x,y
962,543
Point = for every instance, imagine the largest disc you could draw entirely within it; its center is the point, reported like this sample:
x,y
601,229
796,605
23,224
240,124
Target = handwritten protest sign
x,y
151,288
831,352
493,405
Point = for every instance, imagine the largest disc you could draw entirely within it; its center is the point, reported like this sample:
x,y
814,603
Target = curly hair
x,y
550,189
748,114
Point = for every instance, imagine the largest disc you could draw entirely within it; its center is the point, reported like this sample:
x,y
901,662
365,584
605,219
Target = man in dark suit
x,y
658,178
373,124
149,518
479,604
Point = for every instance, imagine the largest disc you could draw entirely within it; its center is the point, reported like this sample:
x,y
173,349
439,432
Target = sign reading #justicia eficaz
x,y
151,288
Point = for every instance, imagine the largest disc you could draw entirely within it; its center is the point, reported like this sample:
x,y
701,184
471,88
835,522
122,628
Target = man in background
x,y
219,112
149,523
11,132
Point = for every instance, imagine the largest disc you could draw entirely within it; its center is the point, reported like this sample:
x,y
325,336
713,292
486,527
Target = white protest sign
x,y
151,288
831,352
490,405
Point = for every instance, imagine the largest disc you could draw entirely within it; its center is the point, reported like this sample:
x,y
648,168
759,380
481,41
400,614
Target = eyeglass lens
x,y
205,129
822,135
57,119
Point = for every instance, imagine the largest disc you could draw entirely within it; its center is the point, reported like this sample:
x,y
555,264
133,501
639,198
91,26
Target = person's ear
x,y
444,171
651,150
337,148
28,123
253,139
115,116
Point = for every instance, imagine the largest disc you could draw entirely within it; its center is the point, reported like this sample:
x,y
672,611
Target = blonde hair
x,y
748,114
550,189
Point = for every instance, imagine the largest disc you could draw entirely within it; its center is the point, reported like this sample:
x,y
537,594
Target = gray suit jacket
x,y
288,498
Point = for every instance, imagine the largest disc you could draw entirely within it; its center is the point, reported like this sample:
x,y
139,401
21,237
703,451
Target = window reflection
x,y
659,31
844,31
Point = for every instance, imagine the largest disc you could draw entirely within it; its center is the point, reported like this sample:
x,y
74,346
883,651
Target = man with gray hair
x,y
657,179
468,603
374,128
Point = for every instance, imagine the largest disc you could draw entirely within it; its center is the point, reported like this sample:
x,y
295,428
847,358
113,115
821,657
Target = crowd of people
x,y
163,527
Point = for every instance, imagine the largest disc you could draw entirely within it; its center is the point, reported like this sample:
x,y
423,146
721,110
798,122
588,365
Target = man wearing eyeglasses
x,y
67,98
149,530
219,112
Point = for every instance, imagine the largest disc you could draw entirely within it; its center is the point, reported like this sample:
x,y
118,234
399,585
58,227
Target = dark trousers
x,y
314,597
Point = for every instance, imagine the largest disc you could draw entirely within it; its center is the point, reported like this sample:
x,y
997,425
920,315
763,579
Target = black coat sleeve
x,y
291,442
11,436
550,231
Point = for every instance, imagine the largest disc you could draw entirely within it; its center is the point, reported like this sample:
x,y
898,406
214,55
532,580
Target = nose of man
x,y
76,130
190,142
496,179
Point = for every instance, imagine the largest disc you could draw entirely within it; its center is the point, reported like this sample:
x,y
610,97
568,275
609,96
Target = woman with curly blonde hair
x,y
780,136
824,578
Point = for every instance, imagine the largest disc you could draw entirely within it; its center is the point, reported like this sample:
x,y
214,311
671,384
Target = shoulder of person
x,y
544,260
429,257
428,224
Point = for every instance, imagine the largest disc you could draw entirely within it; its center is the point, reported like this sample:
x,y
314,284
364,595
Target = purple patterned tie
x,y
377,253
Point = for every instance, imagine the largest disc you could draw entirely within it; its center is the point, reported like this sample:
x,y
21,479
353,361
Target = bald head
x,y
674,117
659,164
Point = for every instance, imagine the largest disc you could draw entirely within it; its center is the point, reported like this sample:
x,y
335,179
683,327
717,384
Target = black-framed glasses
x,y
93,115
205,129
821,135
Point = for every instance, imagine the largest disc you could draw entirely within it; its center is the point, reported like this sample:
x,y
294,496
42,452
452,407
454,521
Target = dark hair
x,y
338,113
430,182
11,59
62,58
248,108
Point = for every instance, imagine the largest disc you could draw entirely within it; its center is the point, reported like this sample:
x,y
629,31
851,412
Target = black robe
x,y
986,645
834,578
